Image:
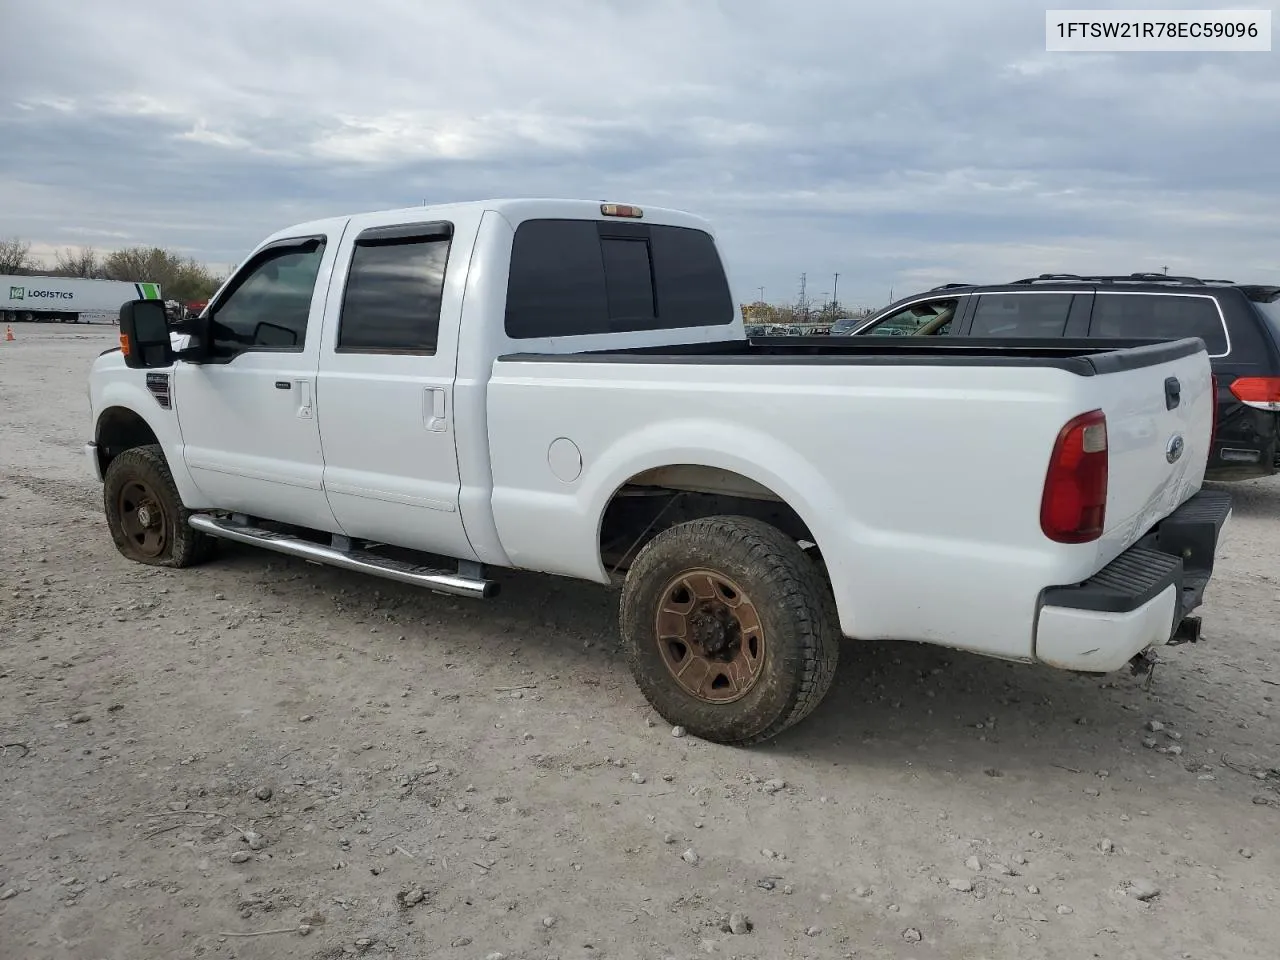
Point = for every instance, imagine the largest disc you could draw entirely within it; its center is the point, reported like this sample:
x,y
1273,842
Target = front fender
x,y
125,389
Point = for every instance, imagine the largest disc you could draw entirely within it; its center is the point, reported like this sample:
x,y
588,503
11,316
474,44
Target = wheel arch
x,y
679,458
121,428
691,491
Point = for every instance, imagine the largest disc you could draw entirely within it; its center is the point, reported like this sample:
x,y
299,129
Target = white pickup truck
x,y
435,394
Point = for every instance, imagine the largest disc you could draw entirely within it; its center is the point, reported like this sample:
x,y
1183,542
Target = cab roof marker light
x,y
620,210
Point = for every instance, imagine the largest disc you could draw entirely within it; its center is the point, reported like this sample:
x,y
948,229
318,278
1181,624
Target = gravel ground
x,y
261,758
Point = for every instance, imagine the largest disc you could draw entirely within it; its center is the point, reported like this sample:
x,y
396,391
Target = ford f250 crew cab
x,y
436,394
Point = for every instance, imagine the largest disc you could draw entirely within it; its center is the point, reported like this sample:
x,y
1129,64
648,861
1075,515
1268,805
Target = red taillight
x,y
1260,392
1074,506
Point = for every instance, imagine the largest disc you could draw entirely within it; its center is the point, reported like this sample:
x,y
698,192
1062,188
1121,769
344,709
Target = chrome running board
x,y
441,581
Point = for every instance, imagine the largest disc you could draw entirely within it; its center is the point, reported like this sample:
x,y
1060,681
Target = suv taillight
x,y
1260,392
1074,506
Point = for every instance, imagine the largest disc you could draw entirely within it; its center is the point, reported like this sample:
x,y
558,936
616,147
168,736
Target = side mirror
x,y
144,335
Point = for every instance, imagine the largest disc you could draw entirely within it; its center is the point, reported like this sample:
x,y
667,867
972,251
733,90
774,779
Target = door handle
x,y
304,399
1172,393
434,409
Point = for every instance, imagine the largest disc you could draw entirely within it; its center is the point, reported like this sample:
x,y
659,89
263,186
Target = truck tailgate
x,y
1159,427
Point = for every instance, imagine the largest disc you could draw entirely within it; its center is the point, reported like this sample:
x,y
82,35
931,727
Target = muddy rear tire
x,y
729,629
145,513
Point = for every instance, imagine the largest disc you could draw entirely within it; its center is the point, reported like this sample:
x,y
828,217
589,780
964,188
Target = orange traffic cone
x,y
8,332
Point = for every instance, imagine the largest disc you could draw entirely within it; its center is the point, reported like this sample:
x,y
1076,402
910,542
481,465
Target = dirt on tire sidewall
x,y
184,546
780,581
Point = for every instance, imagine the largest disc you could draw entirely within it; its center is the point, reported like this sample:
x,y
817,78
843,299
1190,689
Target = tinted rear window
x,y
576,277
1021,315
1158,316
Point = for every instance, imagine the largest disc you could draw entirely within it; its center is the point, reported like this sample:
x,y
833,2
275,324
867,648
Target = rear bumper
x,y
1247,446
1139,599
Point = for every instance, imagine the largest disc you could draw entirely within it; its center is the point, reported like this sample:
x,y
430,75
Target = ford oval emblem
x,y
1173,450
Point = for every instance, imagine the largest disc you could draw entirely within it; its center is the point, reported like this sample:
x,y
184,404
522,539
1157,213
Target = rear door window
x,y
1021,315
579,277
1158,316
392,299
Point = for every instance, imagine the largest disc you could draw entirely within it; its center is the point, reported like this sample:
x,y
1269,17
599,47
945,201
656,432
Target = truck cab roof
x,y
514,209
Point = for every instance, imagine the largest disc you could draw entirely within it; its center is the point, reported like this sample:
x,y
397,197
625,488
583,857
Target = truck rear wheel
x,y
145,513
729,630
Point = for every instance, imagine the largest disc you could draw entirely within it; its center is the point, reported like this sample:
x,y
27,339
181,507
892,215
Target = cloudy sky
x,y
901,144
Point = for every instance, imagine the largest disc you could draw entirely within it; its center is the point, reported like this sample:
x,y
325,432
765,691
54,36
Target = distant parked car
x,y
1239,323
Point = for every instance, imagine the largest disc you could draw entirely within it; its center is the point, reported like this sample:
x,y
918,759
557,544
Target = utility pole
x,y
835,290
1166,270
803,306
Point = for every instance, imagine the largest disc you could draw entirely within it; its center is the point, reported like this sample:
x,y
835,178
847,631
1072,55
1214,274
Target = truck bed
x,y
1083,358
919,465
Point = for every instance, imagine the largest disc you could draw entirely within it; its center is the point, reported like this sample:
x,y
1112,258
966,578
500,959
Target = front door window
x,y
928,317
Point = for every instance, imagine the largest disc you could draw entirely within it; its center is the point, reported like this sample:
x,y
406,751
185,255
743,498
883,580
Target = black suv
x,y
1239,324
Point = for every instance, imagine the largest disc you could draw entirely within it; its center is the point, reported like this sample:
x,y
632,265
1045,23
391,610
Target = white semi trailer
x,y
68,299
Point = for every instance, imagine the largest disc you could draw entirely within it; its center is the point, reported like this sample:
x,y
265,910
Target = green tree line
x,y
180,278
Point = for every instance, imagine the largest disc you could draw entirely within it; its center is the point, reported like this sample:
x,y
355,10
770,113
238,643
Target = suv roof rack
x,y
1050,277
1107,279
949,286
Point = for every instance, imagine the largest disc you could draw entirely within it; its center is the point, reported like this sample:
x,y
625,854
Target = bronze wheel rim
x,y
142,520
710,636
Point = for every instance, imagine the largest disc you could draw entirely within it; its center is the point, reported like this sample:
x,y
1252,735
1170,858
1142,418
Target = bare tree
x,y
15,256
180,278
78,263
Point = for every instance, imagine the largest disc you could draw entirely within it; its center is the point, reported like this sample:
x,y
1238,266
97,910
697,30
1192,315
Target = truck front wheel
x,y
145,513
729,629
